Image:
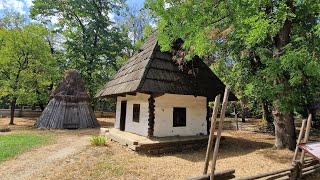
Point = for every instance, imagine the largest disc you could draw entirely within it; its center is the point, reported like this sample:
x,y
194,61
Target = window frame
x,y
176,122
136,113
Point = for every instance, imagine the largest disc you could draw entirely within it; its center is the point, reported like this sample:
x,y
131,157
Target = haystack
x,y
69,107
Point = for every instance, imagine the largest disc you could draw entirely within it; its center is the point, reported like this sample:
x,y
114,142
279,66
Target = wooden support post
x,y
211,136
151,116
216,147
295,171
303,125
305,140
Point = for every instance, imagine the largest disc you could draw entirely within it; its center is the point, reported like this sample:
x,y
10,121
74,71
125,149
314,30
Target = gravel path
x,y
28,165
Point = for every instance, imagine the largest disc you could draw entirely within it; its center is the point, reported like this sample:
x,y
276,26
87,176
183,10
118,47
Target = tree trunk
x,y
267,116
13,108
283,119
243,110
266,113
42,107
285,130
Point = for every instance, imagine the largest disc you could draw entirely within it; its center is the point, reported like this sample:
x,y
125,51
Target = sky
x,y
23,6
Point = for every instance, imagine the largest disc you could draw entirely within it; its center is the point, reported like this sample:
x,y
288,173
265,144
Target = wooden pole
x,y
216,147
236,116
303,125
211,136
305,140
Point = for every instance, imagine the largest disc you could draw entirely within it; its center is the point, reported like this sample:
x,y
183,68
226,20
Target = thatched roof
x,y
71,88
69,106
153,71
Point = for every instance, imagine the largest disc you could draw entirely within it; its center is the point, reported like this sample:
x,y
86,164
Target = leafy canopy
x,y
26,67
244,32
92,43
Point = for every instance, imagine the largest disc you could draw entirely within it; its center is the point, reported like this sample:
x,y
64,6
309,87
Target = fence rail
x,y
35,114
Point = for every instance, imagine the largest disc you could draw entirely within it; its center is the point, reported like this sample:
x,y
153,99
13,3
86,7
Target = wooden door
x,y
123,115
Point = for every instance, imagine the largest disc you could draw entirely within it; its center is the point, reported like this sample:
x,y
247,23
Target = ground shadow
x,y
229,147
106,124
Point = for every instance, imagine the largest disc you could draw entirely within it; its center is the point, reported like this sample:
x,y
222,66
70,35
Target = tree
x,y
26,65
136,23
276,40
92,42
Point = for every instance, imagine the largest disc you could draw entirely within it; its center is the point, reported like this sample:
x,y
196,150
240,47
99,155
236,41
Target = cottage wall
x,y
140,127
196,111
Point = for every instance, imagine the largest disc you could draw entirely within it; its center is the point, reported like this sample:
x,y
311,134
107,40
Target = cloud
x,y
20,6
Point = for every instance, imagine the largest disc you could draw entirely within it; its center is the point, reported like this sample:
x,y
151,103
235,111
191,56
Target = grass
x,y
99,140
16,143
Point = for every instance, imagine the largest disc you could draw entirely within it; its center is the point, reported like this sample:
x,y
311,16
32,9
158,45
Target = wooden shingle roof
x,y
153,71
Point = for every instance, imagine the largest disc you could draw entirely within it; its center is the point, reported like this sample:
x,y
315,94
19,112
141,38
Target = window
x,y
179,117
136,113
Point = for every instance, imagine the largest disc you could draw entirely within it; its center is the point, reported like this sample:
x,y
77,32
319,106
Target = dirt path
x,y
71,157
28,165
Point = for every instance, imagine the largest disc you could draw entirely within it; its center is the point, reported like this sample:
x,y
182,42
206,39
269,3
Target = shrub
x,y
99,140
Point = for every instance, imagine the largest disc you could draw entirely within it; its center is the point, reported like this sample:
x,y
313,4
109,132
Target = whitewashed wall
x,y
196,111
140,127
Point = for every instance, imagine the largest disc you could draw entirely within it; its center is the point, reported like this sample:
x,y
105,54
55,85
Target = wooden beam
x,y
303,125
158,95
222,116
211,136
305,140
132,94
226,174
267,174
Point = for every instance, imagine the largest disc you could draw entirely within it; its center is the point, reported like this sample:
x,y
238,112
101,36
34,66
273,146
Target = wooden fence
x,y
35,114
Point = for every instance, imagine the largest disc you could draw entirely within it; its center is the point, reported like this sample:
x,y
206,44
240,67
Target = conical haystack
x,y
69,107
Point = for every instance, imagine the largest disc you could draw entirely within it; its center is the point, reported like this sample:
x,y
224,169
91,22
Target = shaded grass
x,y
16,143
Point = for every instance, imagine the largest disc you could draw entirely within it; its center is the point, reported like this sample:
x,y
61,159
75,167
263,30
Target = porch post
x,y
151,116
208,117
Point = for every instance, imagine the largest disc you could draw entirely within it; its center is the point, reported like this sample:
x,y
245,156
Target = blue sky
x,y
22,6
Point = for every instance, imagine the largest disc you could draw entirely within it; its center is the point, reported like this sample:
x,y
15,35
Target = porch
x,y
156,145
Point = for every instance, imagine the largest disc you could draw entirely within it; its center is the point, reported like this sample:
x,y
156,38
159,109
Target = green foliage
x,y
27,67
99,140
93,43
241,35
16,143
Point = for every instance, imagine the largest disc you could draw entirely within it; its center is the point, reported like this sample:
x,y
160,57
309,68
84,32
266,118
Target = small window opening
x,y
136,113
179,117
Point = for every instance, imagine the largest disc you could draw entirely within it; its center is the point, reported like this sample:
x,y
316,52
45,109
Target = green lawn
x,y
15,143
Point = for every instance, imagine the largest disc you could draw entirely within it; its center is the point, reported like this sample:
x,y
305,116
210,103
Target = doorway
x,y
123,114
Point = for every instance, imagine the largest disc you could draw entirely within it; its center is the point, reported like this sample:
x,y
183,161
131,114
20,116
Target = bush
x,y
99,140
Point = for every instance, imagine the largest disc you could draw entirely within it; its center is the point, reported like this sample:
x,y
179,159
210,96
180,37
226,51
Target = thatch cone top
x,y
71,88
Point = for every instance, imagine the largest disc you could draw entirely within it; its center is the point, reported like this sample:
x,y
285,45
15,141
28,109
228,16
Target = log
x,y
310,168
267,174
279,175
222,116
211,136
310,171
310,163
226,174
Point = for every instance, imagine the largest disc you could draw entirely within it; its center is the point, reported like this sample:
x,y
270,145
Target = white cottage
x,y
157,98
